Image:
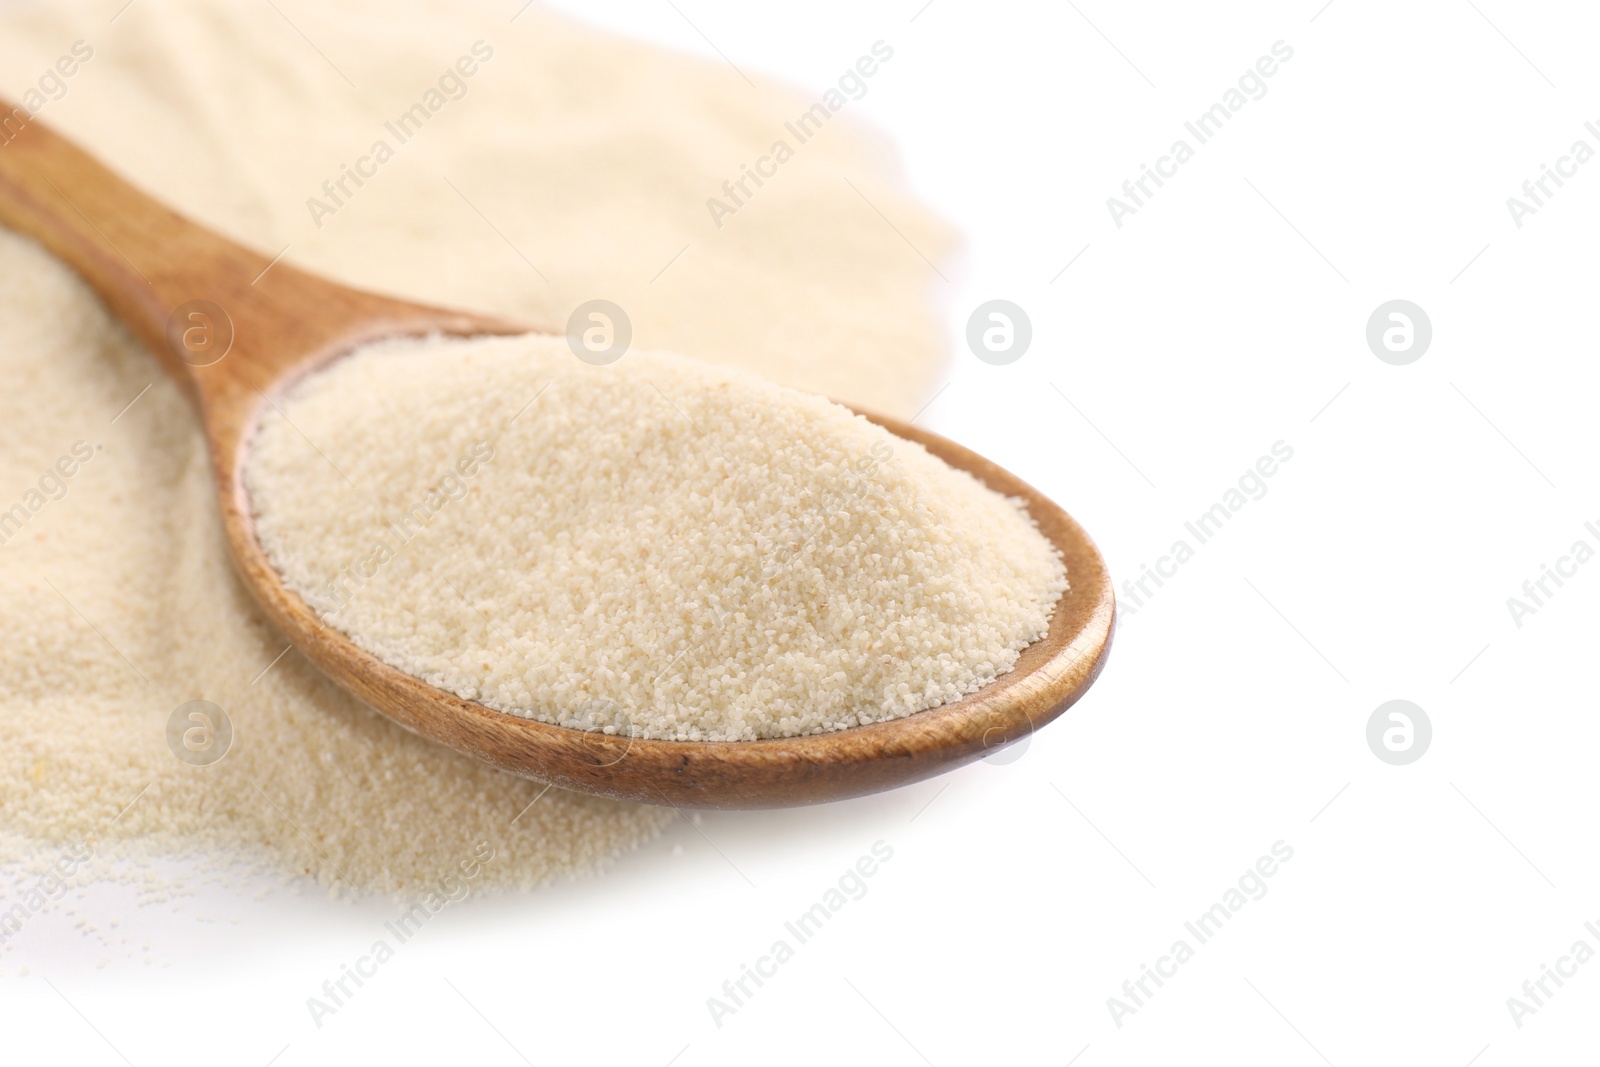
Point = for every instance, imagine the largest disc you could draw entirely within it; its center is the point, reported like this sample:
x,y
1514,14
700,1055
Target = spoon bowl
x,y
234,327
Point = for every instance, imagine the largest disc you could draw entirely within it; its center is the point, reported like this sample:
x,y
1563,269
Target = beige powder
x,y
656,547
593,157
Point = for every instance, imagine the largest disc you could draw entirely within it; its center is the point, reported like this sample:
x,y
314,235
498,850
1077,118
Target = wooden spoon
x,y
232,327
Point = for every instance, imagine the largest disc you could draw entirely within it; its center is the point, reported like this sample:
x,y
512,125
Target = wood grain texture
x,y
145,261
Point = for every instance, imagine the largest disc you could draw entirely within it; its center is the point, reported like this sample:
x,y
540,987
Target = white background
x,y
1228,314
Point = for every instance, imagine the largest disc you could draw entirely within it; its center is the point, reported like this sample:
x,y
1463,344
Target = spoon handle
x,y
191,295
144,259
